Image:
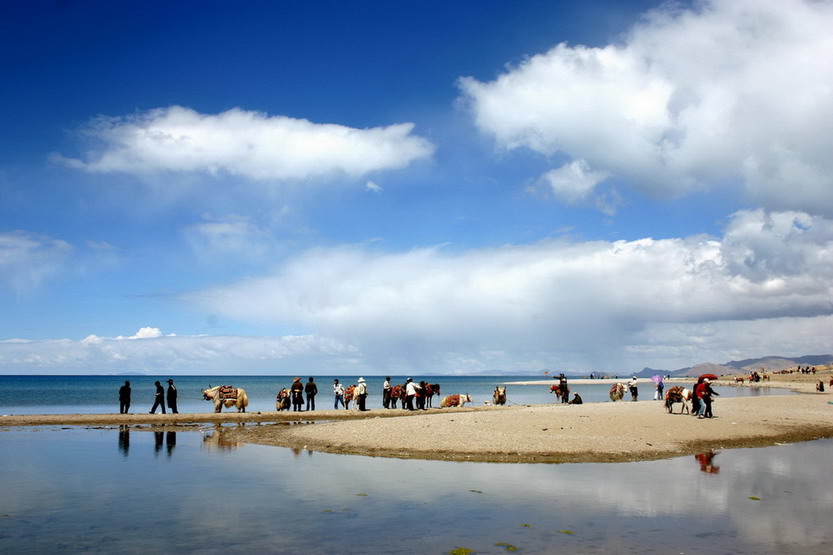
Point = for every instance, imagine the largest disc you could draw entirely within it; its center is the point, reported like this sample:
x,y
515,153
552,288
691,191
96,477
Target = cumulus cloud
x,y
728,91
249,144
28,259
181,354
588,303
575,184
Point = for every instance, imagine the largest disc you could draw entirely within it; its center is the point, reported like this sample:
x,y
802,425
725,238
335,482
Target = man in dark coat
x,y
311,389
159,398
171,397
124,398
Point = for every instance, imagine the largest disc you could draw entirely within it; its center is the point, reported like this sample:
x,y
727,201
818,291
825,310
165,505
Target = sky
x,y
414,187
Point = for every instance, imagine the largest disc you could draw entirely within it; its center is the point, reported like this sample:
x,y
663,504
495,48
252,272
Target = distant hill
x,y
769,363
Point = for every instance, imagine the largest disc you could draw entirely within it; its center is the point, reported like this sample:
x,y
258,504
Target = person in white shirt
x,y
386,389
338,392
361,394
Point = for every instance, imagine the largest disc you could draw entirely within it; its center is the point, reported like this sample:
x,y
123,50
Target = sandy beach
x,y
592,432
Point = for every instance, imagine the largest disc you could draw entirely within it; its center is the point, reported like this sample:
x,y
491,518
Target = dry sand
x,y
593,432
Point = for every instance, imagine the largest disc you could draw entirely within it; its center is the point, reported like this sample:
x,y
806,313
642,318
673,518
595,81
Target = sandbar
x,y
553,433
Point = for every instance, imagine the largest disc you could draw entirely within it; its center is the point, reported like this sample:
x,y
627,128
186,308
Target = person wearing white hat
x,y
361,394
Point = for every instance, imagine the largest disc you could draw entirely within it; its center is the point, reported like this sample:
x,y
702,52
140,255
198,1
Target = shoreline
x,y
553,433
593,432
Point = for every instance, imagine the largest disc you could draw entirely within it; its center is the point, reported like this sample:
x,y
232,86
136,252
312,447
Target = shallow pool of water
x,y
138,491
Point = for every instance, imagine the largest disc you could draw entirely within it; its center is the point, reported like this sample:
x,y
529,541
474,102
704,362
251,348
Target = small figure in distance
x,y
158,399
124,398
172,397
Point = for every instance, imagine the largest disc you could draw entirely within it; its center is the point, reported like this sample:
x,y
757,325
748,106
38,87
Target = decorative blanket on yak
x,y
228,393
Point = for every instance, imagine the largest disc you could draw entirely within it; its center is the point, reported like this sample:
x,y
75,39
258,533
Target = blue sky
x,y
413,187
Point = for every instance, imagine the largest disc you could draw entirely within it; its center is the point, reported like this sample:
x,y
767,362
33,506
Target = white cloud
x,y
249,144
575,184
727,91
373,187
29,259
552,301
180,354
231,236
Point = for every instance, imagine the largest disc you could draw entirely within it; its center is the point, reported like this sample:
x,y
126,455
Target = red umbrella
x,y
707,377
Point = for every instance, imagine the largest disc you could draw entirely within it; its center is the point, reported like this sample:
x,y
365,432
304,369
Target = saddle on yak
x,y
228,393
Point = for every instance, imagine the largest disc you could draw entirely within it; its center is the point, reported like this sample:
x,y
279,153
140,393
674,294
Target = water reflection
x,y
706,462
161,439
219,439
124,440
769,500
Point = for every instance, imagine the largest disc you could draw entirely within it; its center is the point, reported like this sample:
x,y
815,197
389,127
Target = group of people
x,y
359,394
701,400
159,398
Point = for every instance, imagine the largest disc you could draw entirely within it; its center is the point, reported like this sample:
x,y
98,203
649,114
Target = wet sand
x,y
592,432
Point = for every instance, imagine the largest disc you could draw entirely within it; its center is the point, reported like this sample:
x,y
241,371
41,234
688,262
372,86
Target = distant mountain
x,y
768,363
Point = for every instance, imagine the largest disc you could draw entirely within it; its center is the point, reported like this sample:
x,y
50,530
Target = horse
x,y
431,389
563,394
677,394
739,379
228,396
617,392
457,400
499,396
282,400
350,395
397,393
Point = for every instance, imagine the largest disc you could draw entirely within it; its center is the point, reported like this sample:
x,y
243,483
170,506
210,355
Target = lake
x,y
99,394
141,490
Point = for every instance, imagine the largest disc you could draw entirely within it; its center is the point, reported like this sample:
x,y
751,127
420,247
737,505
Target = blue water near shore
x,y
99,394
149,489
152,490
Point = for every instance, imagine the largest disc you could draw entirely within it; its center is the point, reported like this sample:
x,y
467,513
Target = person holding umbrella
x,y
706,393
659,387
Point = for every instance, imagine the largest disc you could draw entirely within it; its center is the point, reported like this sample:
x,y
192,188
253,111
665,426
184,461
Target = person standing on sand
x,y
124,398
386,388
296,390
410,392
660,388
171,397
361,394
311,389
706,393
338,393
634,389
158,399
563,389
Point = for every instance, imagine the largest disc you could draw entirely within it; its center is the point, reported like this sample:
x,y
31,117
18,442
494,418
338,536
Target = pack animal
x,y
562,393
282,400
228,396
349,396
678,394
499,396
431,389
397,393
457,400
617,392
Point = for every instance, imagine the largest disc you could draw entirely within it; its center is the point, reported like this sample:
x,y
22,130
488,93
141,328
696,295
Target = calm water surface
x,y
108,490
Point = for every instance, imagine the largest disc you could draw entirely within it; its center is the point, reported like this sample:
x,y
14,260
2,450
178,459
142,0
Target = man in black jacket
x,y
159,399
171,397
311,389
124,398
